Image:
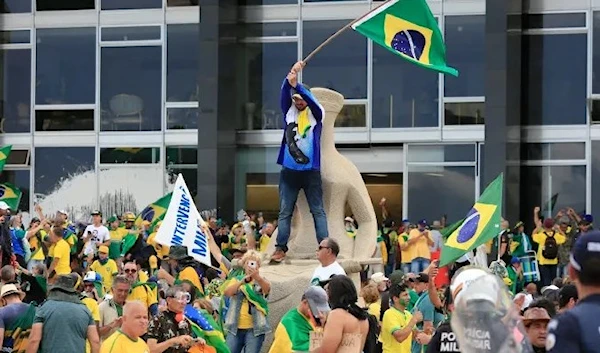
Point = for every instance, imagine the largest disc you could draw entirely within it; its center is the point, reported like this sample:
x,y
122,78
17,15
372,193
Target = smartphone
x,y
252,264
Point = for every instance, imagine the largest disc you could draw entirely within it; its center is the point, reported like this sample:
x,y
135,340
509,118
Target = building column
x,y
503,99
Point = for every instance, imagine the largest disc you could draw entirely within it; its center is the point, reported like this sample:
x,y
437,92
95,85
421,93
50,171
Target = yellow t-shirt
x,y
62,251
408,253
118,234
92,306
420,248
264,242
245,321
143,276
35,243
540,238
107,271
119,342
394,320
143,294
161,250
375,309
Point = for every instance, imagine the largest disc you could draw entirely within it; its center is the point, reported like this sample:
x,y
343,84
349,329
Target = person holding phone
x,y
301,321
246,319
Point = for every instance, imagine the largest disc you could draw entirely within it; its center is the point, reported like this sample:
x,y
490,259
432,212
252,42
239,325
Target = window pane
x,y
15,37
182,118
182,2
267,65
15,90
20,179
49,5
555,151
565,184
465,51
352,115
596,54
130,33
453,188
131,4
403,95
554,20
182,62
64,178
130,89
64,120
271,29
464,113
267,2
124,155
330,68
595,176
66,66
441,153
555,86
595,111
182,155
18,157
15,6
136,188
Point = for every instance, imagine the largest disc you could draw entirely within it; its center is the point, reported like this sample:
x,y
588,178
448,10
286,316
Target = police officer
x,y
578,329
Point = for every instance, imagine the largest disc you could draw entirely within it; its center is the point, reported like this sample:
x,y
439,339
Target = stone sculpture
x,y
342,186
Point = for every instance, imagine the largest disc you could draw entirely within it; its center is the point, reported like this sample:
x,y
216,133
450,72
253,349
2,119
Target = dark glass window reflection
x,y
15,90
182,118
130,91
267,65
595,176
131,4
182,63
66,66
456,184
464,113
183,2
15,37
54,5
465,51
267,2
341,65
57,166
133,155
15,6
403,95
20,179
596,54
64,120
555,79
182,155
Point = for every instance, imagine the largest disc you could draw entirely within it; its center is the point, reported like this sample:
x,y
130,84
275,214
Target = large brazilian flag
x,y
407,28
481,224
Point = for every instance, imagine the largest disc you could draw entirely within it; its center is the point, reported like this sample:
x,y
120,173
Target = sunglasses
x,y
182,297
130,271
323,247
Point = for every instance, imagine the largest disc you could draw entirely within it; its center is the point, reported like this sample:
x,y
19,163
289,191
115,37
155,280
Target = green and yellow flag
x,y
4,152
154,212
292,333
481,224
407,28
11,195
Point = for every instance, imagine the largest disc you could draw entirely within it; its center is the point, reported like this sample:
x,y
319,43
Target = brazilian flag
x,y
154,212
407,28
11,195
481,224
4,152
204,326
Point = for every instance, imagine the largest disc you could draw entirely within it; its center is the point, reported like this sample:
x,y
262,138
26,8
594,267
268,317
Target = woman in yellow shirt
x,y
61,262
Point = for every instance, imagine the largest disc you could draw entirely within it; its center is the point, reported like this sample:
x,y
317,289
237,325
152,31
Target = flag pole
x,y
340,31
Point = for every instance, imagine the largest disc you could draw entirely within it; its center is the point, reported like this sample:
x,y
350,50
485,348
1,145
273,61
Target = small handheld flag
x,y
4,152
11,195
481,224
154,212
407,28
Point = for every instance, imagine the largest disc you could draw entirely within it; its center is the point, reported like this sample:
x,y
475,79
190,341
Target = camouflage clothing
x,y
564,250
164,327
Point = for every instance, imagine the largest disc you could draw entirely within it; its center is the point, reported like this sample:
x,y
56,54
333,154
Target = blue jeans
x,y
290,184
419,264
245,341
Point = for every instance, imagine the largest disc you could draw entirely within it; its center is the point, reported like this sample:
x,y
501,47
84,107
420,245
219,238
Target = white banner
x,y
181,225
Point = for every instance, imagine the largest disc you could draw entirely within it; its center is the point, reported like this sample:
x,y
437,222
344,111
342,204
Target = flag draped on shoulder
x,y
292,333
11,195
407,28
481,224
204,326
16,335
4,152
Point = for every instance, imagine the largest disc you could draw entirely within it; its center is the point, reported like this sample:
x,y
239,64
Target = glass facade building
x,y
105,101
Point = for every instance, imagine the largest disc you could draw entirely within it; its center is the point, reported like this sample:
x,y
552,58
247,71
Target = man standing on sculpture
x,y
300,158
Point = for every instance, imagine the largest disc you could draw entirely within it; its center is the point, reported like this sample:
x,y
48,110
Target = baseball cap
x,y
587,219
565,294
422,277
317,300
548,223
96,213
4,206
379,277
423,222
397,277
63,212
103,249
587,247
547,288
92,276
515,260
535,314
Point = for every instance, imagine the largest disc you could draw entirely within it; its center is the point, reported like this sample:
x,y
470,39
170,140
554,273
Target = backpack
x,y
550,250
371,343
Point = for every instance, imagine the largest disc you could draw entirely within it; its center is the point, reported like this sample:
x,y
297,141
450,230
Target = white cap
x,y
379,277
90,277
63,212
550,287
4,206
